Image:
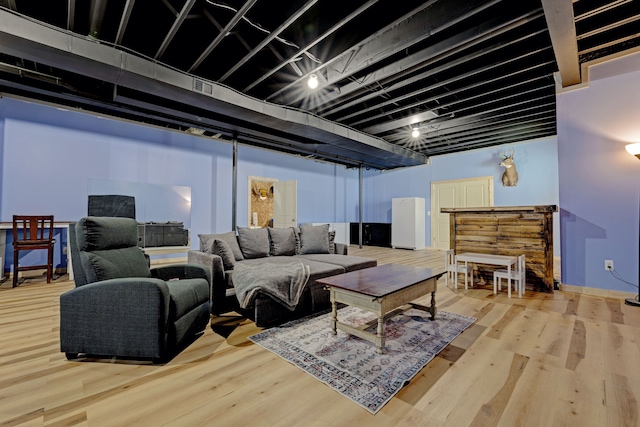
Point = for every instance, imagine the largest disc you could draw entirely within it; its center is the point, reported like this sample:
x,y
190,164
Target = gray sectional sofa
x,y
311,246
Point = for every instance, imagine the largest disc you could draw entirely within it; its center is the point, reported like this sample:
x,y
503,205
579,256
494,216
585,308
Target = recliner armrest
x,y
218,281
181,271
125,316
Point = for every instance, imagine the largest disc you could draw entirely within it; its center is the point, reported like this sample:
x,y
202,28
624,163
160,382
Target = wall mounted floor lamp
x,y
635,150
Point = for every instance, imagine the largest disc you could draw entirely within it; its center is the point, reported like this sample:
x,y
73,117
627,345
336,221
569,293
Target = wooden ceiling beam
x,y
562,29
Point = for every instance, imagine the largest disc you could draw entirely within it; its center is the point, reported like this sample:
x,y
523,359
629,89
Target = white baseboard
x,y
597,292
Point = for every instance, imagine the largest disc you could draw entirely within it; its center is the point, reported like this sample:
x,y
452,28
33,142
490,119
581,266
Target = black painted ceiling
x,y
468,73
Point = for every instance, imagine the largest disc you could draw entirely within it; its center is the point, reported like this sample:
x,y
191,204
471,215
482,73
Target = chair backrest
x,y
35,229
108,249
112,205
449,257
522,266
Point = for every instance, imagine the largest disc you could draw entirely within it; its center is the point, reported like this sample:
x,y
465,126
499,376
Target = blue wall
x,y
599,181
74,149
67,150
326,192
536,162
585,171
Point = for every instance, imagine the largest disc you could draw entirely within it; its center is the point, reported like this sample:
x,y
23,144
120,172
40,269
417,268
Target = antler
x,y
504,155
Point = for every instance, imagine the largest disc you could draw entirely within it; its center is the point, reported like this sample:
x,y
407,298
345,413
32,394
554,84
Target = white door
x,y
285,204
443,195
458,193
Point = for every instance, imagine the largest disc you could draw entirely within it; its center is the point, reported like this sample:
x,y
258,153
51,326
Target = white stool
x,y
517,277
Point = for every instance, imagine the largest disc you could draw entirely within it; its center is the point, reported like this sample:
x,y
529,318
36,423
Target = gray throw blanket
x,y
282,282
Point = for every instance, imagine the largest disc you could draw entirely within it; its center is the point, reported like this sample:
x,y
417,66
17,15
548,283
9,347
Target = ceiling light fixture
x,y
313,81
415,132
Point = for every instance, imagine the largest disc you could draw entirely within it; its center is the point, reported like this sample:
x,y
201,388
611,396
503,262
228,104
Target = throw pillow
x,y
254,242
283,241
222,249
296,232
332,242
314,239
206,243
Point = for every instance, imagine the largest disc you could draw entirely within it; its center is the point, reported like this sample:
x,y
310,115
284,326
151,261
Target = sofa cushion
x,y
332,242
349,262
206,243
223,250
282,241
317,269
114,263
186,294
254,242
296,234
314,239
332,237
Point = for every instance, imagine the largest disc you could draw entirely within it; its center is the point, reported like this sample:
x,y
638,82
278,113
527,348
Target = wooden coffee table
x,y
386,290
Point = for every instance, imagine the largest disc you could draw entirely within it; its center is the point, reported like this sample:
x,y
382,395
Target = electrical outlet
x,y
608,264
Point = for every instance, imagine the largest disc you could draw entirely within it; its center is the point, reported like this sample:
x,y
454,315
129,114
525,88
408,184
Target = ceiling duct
x,y
96,16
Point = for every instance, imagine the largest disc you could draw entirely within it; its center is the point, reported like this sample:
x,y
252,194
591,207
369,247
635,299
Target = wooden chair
x,y
453,269
517,277
37,233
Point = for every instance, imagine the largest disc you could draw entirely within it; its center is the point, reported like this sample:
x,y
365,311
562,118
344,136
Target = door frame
x,y
250,180
435,205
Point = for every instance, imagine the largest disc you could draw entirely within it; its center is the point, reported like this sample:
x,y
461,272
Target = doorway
x,y
272,202
456,193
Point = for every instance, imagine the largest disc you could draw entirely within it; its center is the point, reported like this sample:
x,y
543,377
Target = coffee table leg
x,y
334,316
433,309
380,333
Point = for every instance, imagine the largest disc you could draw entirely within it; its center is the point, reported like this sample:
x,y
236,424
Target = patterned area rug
x,y
350,365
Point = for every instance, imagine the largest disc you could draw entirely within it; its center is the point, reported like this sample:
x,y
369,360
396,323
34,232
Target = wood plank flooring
x,y
561,359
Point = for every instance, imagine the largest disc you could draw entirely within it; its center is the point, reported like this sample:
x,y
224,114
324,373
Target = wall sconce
x,y
635,150
313,81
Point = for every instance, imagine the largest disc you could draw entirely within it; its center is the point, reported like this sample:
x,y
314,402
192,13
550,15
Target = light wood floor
x,y
559,359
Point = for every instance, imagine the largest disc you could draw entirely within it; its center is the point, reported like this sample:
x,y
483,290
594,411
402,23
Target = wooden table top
x,y
381,280
487,258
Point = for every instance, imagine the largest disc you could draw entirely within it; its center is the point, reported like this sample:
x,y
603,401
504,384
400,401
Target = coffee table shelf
x,y
385,290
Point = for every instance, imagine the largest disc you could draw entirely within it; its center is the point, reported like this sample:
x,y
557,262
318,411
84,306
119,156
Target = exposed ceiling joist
x,y
484,68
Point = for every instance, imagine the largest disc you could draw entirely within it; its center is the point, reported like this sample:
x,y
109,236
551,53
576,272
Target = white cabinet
x,y
407,223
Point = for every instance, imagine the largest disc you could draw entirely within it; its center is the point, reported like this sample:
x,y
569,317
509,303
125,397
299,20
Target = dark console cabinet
x,y
162,234
373,234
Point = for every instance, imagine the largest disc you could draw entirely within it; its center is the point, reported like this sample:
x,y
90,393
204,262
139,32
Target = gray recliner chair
x,y
120,307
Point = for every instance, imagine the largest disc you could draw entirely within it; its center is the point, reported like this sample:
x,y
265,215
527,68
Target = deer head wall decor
x,y
510,175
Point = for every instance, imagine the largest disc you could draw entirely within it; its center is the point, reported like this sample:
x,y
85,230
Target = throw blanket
x,y
282,282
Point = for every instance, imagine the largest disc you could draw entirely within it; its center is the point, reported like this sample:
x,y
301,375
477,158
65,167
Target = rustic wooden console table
x,y
508,230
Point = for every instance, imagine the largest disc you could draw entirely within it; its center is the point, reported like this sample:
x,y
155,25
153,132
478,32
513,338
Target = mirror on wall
x,y
261,201
163,212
